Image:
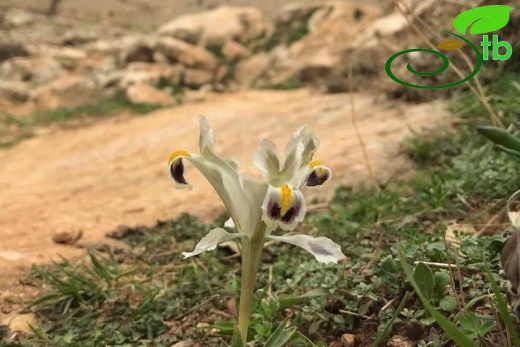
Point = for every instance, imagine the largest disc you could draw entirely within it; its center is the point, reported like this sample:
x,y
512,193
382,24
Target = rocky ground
x,y
211,61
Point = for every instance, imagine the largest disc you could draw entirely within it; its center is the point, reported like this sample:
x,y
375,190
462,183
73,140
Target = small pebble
x,y
348,340
67,237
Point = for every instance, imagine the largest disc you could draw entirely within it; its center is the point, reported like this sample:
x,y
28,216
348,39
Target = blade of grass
x,y
502,307
280,336
390,323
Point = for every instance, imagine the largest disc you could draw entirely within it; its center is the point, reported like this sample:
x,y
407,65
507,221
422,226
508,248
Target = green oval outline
x,y
478,65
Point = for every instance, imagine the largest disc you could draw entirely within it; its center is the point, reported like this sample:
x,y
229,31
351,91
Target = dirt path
x,y
114,172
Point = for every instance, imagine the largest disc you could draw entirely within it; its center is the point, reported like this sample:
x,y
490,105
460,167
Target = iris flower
x,y
258,207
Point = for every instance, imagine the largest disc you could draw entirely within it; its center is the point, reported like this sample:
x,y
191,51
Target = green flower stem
x,y
251,253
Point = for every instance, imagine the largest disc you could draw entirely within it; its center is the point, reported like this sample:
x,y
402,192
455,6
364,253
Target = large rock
x,y
317,57
12,50
140,49
146,94
195,78
249,70
37,70
187,54
58,53
15,91
79,37
151,74
64,91
14,18
234,51
129,48
296,12
215,27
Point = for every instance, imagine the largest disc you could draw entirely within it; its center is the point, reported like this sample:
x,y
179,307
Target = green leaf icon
x,y
483,19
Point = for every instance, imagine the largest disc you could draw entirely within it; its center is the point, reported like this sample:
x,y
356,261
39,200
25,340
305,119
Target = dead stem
x,y
452,280
356,129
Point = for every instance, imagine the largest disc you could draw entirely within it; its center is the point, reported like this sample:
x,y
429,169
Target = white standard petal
x,y
266,159
211,240
242,197
297,157
292,158
207,135
324,249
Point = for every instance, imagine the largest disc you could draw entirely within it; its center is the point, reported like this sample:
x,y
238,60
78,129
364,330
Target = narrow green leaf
x,y
423,276
451,330
483,19
390,323
486,327
500,137
280,336
306,339
502,308
226,327
289,301
511,152
237,341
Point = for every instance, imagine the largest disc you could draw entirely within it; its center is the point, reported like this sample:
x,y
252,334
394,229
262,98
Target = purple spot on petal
x,y
314,180
291,213
318,249
273,210
177,171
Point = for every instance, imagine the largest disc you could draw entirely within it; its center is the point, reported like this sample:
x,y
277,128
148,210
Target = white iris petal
x,y
318,174
211,240
323,248
241,201
266,159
